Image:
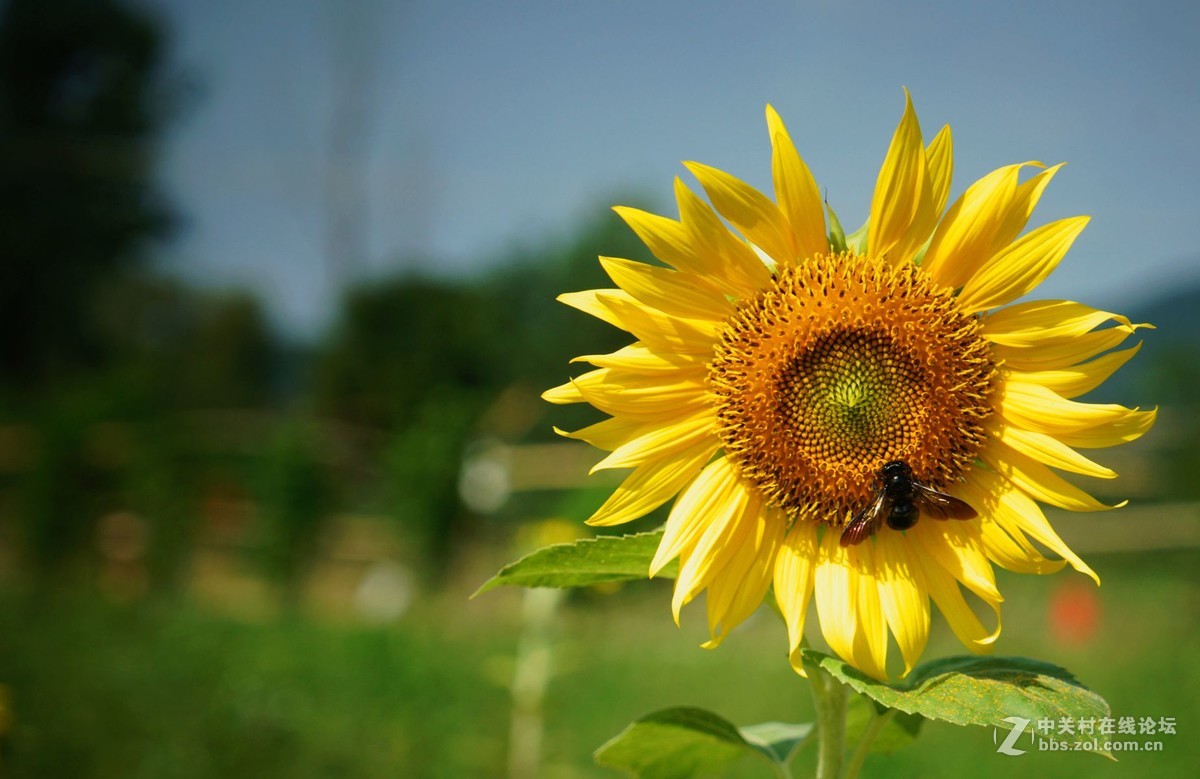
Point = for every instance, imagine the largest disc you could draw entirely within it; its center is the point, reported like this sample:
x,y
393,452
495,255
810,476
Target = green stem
x,y
878,721
782,770
829,696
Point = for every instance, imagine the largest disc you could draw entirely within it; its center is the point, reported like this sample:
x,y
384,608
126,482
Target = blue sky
x,y
487,125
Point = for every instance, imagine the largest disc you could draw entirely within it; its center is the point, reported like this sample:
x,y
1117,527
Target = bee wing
x,y
866,522
939,505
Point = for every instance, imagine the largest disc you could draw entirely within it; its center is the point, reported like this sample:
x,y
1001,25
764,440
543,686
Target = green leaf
x,y
673,743
900,730
585,562
779,741
985,691
680,742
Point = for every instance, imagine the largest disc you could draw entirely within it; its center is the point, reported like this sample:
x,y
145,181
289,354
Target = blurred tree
x,y
180,348
296,498
66,490
425,360
81,104
402,341
184,372
412,338
538,335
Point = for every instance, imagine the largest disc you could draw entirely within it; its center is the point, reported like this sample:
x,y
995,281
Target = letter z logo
x,y
1019,724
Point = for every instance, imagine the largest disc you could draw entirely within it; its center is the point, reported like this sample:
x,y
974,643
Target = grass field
x,y
168,689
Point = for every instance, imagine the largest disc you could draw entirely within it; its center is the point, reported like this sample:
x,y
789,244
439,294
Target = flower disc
x,y
842,364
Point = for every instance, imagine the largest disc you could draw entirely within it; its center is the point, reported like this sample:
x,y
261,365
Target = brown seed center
x,y
842,365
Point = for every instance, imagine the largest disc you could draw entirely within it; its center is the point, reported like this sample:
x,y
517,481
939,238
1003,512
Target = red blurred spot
x,y
1074,613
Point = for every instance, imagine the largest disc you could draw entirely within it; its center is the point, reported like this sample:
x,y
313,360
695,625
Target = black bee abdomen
x,y
903,516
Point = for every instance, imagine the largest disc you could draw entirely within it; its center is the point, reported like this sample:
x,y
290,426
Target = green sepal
x,y
857,240
837,236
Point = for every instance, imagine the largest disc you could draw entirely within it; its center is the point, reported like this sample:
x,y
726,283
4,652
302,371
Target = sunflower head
x,y
764,396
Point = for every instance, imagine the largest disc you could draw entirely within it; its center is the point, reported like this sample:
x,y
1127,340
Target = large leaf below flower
x,y
988,691
681,742
583,563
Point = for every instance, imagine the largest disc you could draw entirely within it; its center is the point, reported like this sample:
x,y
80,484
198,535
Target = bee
x,y
900,500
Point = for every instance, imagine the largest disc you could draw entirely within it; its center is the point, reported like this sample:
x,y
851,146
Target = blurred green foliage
x,y
103,691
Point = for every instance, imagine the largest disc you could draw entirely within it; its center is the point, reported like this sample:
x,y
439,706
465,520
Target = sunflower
x,y
778,365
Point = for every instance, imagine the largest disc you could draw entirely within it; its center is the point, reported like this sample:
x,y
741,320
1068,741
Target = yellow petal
x,y
1052,355
871,637
1014,511
572,391
747,209
848,606
658,330
902,208
652,484
1021,266
1020,208
1003,540
939,156
837,596
1075,380
662,441
963,239
1034,407
715,547
950,601
595,303
669,241
902,597
735,263
563,394
796,190
753,587
650,398
1048,450
694,511
794,567
954,545
753,537
1127,428
1008,553
679,294
610,433
639,358
738,590
1042,322
1038,481
699,571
